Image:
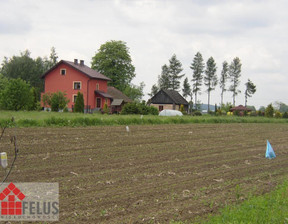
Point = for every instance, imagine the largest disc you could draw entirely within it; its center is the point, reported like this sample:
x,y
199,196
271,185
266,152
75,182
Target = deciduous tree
x,y
114,61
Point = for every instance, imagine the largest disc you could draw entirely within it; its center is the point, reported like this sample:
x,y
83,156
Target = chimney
x,y
76,61
81,62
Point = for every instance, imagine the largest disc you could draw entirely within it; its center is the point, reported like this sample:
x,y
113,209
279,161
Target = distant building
x,y
168,99
119,99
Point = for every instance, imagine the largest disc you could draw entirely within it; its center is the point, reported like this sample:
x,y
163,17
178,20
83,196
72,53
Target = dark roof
x,y
240,108
165,96
103,94
91,73
117,94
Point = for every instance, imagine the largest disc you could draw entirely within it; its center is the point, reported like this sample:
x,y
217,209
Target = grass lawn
x,y
43,118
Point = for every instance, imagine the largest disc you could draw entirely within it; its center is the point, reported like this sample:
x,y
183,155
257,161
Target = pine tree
x,y
175,68
164,79
234,75
223,79
154,90
210,78
250,90
198,68
186,89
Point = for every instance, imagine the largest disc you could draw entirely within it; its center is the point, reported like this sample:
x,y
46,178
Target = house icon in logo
x,y
11,207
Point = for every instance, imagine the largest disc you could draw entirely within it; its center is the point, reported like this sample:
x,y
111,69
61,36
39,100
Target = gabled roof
x,y
117,94
165,96
91,73
106,95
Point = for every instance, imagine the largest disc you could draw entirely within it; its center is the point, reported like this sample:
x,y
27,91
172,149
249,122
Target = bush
x,y
269,111
138,108
79,104
285,115
197,113
17,95
105,109
278,114
57,101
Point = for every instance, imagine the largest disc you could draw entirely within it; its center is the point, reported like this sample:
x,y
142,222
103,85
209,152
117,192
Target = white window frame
x,y
77,82
63,69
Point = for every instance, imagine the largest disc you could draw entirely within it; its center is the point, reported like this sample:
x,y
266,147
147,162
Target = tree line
x,y
171,75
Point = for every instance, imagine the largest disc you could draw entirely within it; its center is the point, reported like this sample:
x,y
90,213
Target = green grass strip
x,y
269,208
44,119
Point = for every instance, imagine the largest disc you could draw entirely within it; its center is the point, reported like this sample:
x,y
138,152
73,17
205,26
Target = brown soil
x,y
153,174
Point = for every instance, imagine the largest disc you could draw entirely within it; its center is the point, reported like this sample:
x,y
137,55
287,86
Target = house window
x,y
76,85
97,86
98,102
63,71
160,107
74,98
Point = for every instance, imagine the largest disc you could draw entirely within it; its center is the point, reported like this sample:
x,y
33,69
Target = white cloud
x,y
254,31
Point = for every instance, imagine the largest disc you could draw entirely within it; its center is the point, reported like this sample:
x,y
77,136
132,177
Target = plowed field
x,y
153,173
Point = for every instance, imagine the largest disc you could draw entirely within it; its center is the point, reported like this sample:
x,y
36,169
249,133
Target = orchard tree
x,y
250,90
114,61
223,79
210,78
198,68
234,75
175,68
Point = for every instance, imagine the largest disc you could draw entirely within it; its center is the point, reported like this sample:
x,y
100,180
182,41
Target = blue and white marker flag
x,y
269,151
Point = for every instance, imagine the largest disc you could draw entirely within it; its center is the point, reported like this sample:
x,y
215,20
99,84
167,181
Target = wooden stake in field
x,y
127,129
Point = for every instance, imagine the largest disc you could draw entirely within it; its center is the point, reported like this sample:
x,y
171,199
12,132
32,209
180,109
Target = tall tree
x,y
250,90
186,89
154,90
234,75
164,78
113,60
198,68
28,69
135,92
210,78
17,95
223,79
175,68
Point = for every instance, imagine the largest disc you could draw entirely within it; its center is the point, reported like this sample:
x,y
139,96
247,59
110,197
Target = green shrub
x,y
269,111
197,113
79,104
105,109
278,114
285,115
17,95
138,108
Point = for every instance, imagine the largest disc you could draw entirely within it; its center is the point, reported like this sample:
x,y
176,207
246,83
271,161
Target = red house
x,y
71,77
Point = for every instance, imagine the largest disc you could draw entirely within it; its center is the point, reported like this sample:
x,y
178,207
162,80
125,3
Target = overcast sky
x,y
256,31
